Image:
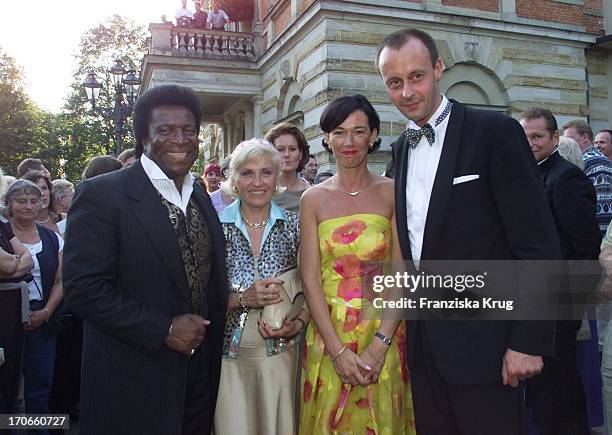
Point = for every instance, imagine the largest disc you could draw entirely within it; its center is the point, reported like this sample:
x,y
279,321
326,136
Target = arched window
x,y
475,86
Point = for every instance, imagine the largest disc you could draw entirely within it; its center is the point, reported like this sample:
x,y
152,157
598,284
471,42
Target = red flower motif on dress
x,y
362,403
352,319
370,431
307,391
348,266
379,253
348,232
349,289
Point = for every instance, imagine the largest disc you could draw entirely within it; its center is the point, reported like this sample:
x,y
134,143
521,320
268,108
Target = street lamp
x,y
126,84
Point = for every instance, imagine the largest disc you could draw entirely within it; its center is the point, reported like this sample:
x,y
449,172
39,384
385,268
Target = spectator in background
x,y
212,177
183,15
217,17
127,157
199,17
290,142
15,262
219,198
603,142
31,165
570,151
101,165
322,176
596,166
310,169
47,215
62,192
23,200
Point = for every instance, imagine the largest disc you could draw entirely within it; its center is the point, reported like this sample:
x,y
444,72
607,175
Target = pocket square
x,y
465,178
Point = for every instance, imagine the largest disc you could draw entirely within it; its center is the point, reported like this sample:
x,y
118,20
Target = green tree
x,y
25,130
85,134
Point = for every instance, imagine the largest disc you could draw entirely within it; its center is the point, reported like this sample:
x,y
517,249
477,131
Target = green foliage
x,y
65,142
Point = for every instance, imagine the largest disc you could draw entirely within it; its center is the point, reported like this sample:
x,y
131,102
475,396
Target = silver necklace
x,y
351,193
43,222
255,225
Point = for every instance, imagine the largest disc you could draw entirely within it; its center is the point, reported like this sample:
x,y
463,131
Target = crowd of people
x,y
238,301
214,19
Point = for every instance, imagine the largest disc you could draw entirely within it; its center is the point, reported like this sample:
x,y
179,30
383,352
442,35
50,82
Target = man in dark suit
x,y
145,269
556,396
467,188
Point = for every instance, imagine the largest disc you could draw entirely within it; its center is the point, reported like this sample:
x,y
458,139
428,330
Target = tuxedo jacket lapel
x,y
440,199
153,216
401,151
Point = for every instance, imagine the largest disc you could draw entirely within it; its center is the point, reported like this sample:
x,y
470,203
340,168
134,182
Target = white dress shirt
x,y
166,187
183,12
217,19
422,167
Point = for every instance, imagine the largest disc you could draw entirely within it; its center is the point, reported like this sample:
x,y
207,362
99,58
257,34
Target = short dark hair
x,y
341,108
397,40
167,95
288,128
311,156
580,126
29,164
101,165
605,131
540,112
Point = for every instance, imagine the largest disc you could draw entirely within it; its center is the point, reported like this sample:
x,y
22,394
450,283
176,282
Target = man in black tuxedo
x,y
467,188
556,396
145,269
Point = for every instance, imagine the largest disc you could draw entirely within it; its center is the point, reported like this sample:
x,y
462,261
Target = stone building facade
x,y
297,55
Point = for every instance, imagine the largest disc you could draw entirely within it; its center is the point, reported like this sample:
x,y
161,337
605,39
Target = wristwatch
x,y
384,338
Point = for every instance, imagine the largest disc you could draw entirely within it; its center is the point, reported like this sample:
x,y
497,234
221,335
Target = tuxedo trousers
x,y
442,408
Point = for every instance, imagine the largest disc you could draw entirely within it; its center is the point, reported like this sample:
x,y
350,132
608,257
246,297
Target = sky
x,y
43,37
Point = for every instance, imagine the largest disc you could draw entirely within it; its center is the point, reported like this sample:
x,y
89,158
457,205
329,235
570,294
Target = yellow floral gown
x,y
351,246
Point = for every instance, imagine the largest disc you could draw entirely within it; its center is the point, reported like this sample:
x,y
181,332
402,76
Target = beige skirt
x,y
256,391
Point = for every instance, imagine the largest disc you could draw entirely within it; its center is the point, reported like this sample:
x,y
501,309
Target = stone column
x,y
161,40
257,115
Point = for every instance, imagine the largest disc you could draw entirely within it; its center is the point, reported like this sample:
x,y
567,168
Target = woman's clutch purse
x,y
292,294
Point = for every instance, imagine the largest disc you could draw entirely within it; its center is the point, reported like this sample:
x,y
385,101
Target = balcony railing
x,y
170,40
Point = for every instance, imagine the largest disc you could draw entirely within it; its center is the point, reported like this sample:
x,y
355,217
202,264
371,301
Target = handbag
x,y
292,296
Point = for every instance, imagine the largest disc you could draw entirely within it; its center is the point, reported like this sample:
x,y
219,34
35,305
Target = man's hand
x,y
519,366
187,333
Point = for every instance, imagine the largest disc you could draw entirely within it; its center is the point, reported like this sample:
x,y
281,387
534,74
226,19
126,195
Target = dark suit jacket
x,y
572,201
502,215
123,274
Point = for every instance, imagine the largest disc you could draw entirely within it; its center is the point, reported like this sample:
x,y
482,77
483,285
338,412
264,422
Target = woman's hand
x,y
261,293
37,318
374,355
352,369
290,329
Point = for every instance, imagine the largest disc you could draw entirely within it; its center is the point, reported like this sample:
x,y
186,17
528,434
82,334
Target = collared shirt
x,y
217,19
547,157
422,167
166,187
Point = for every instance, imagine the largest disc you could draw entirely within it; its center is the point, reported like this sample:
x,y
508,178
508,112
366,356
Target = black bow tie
x,y
414,136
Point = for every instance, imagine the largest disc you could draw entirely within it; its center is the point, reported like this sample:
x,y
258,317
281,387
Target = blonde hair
x,y
248,151
570,151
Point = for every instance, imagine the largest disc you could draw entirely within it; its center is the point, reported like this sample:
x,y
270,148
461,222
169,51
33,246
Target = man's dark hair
x,y
539,112
311,156
397,40
29,165
341,108
101,165
580,126
167,95
605,131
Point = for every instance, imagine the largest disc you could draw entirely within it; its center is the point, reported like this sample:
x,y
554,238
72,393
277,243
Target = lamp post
x,y
126,84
